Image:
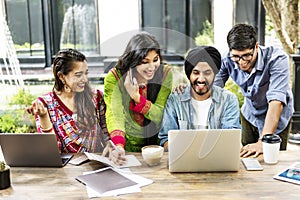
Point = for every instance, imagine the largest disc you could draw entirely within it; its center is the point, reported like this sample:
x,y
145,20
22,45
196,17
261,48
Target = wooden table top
x,y
60,183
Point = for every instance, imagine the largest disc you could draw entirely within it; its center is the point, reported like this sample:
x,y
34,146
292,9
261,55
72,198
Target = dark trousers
x,y
250,133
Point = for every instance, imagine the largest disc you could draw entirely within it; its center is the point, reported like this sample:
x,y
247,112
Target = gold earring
x,y
67,88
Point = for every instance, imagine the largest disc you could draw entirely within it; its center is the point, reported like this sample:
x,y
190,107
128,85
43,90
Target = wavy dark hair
x,y
136,50
241,37
63,63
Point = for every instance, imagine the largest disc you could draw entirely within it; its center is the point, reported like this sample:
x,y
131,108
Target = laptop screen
x,y
31,149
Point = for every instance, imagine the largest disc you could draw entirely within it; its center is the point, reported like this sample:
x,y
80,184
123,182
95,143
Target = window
x,y
177,22
68,23
79,27
24,19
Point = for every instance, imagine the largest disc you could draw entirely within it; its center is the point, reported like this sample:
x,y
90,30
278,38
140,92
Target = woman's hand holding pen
x,y
132,87
117,156
116,153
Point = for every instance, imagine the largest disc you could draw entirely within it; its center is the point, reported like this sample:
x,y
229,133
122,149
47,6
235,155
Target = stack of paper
x,y
112,182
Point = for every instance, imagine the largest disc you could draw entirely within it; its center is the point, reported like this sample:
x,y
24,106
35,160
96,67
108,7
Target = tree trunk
x,y
285,17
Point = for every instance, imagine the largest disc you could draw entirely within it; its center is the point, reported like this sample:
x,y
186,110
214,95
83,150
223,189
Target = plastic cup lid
x,y
271,138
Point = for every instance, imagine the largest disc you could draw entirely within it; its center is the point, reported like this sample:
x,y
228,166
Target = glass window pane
x,y
24,19
150,19
36,27
177,33
169,23
245,12
79,26
201,11
176,22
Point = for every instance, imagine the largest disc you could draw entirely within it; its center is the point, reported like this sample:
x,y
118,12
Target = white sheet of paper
x,y
131,160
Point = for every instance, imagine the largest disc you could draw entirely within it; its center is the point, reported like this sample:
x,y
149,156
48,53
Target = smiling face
x,y
146,70
201,79
245,59
77,78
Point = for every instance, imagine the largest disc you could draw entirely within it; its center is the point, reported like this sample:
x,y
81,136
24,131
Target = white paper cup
x,y
271,146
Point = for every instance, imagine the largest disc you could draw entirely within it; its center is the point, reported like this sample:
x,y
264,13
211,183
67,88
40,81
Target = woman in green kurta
x,y
135,93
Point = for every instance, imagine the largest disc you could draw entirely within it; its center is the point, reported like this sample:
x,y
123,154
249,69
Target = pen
x,y
114,146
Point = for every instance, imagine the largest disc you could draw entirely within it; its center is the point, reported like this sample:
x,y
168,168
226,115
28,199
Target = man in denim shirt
x,y
201,105
263,76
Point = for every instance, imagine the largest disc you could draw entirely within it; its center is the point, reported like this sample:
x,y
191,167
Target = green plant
x,y
235,89
15,120
22,98
269,28
26,45
206,36
7,123
2,165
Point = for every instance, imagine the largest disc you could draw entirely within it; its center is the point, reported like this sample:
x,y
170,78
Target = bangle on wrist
x,y
46,130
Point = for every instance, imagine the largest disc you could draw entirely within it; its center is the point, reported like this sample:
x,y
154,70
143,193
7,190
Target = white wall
x,y
223,22
117,20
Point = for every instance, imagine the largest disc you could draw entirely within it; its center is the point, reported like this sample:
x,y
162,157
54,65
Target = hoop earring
x,y
67,88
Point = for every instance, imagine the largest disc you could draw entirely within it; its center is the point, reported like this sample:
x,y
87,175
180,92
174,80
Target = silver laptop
x,y
32,150
204,150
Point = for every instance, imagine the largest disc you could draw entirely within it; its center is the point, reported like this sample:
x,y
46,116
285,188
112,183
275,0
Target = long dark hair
x,y
136,50
63,63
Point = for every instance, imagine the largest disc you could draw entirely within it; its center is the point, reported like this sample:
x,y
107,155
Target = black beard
x,y
208,86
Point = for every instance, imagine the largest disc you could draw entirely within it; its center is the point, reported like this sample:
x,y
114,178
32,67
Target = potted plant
x,y
4,175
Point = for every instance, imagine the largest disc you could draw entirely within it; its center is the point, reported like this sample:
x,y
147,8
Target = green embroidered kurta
x,y
119,118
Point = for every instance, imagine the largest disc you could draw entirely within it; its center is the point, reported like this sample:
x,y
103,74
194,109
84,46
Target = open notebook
x,y
32,150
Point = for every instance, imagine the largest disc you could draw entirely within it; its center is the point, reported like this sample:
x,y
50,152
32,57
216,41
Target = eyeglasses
x,y
245,57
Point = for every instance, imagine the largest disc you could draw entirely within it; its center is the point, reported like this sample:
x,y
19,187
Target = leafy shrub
x,y
11,123
16,120
206,36
234,88
22,99
7,123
